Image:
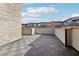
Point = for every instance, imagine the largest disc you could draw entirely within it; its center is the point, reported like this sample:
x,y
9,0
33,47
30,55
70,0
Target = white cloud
x,y
64,18
25,14
70,16
41,10
34,20
28,20
32,14
74,15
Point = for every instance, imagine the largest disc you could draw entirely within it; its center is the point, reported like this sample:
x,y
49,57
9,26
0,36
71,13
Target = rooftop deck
x,y
37,45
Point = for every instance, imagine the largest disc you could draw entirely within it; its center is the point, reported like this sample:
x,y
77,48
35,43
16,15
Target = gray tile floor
x,y
49,45
37,45
17,48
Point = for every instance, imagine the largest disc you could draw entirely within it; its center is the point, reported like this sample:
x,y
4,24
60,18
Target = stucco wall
x,y
26,30
60,33
75,38
10,25
44,31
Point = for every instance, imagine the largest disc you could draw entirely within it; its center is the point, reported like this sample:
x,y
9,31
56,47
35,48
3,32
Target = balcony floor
x,y
37,45
49,45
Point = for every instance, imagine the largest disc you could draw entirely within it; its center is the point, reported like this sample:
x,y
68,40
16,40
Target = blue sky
x,y
45,12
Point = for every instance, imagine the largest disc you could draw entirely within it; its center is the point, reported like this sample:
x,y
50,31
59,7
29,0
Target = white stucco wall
x,y
10,23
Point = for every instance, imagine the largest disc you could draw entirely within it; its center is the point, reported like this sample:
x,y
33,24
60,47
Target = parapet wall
x,y
27,31
46,30
68,36
60,33
75,38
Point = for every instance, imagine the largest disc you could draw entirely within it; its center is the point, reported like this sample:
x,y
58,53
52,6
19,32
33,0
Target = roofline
x,y
71,18
37,22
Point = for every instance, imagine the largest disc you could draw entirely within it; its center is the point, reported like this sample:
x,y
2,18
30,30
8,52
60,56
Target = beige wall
x,y
75,38
26,30
69,36
10,25
60,33
44,31
72,37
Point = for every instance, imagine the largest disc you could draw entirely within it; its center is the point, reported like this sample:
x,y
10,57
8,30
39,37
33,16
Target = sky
x,y
46,12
